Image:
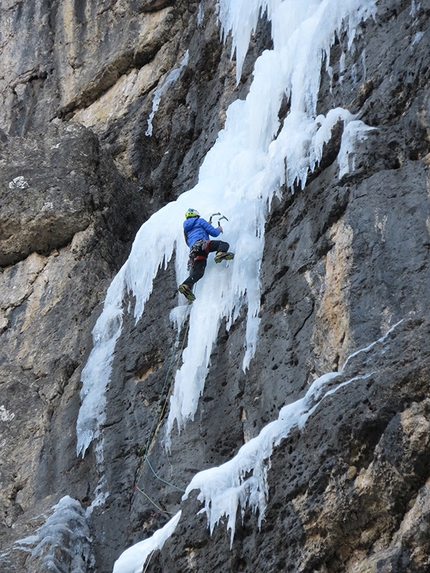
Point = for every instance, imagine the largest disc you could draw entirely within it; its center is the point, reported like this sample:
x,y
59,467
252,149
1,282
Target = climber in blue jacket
x,y
196,233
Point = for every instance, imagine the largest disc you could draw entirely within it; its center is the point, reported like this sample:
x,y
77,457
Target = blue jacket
x,y
197,228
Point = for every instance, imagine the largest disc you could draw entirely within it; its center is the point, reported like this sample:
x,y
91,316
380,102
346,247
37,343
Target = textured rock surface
x,y
101,66
65,232
344,260
53,184
349,492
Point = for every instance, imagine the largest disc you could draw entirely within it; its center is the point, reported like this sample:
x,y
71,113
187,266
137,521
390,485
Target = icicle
x,y
171,79
251,159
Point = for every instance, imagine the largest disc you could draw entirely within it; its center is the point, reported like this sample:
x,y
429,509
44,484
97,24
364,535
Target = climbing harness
x,y
198,252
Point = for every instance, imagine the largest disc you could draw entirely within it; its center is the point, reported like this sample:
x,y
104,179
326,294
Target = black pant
x,y
199,263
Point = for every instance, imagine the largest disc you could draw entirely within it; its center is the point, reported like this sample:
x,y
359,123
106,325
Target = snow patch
x,y
18,183
417,38
200,15
355,132
6,415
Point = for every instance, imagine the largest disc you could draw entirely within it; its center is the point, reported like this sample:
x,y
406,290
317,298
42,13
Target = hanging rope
x,y
155,426
160,509
161,479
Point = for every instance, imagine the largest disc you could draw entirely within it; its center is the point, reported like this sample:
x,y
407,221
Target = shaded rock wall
x,y
344,260
64,232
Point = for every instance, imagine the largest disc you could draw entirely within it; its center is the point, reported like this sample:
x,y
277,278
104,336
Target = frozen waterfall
x,y
258,156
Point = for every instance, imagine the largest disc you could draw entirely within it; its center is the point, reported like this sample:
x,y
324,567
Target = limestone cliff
x,y
345,260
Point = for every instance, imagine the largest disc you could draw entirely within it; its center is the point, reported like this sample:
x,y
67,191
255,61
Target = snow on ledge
x,y
242,481
134,558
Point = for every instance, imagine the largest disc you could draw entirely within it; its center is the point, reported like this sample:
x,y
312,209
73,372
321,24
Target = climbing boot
x,y
221,256
186,291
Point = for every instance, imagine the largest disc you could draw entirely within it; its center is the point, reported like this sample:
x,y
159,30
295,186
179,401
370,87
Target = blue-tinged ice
x,y
63,543
254,157
171,79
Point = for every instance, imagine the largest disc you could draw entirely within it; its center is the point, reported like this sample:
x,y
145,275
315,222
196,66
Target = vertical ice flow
x,y
253,157
171,79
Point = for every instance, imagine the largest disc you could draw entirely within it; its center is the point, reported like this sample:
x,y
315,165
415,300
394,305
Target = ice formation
x,y
63,543
171,79
252,159
133,559
242,481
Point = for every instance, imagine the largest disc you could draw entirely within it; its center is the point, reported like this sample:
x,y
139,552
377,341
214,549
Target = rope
x,y
161,479
151,433
153,502
157,423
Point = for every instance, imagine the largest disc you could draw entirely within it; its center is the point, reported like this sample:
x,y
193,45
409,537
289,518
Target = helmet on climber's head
x,y
191,213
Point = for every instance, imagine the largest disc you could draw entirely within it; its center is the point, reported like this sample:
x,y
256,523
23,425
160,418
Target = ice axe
x,y
220,219
213,215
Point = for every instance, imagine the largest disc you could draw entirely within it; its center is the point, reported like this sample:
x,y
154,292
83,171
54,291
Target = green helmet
x,y
191,213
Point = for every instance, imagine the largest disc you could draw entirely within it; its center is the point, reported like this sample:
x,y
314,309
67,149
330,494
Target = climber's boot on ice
x,y
186,291
221,256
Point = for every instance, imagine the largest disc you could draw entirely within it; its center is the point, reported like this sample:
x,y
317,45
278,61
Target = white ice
x,y
134,558
65,529
252,158
171,79
353,133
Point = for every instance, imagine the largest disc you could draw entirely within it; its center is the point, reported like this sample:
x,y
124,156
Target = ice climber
x,y
197,232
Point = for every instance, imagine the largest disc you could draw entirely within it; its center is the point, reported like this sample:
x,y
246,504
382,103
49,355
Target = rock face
x,y
67,222
345,260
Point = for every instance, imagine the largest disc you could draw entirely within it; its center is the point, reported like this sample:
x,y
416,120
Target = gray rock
x,y
63,261
345,259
